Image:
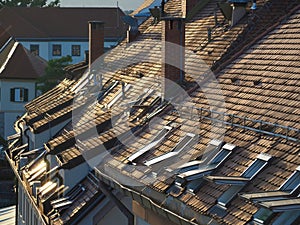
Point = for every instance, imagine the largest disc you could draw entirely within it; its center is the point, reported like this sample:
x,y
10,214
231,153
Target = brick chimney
x,y
96,40
173,31
188,5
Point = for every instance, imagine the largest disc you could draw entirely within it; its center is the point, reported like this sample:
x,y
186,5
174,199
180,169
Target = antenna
x,y
118,22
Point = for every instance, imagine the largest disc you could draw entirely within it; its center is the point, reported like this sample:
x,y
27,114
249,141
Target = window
x,y
19,95
75,50
155,141
184,142
35,49
292,183
56,50
262,216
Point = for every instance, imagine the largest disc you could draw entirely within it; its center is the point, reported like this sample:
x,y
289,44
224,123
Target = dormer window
x,y
19,95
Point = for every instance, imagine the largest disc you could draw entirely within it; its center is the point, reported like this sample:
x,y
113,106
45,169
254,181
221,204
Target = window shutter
x,y
12,94
25,95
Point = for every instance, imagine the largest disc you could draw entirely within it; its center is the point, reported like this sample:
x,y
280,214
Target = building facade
x,y
54,32
18,74
165,160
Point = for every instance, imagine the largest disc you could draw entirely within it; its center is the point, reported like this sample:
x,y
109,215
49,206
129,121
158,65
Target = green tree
x,y
54,73
29,3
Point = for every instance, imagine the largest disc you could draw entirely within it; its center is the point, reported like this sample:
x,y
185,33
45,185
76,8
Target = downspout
x,y
105,190
17,202
28,139
182,52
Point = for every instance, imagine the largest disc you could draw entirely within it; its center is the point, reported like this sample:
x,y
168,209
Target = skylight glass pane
x,y
292,183
287,218
155,141
254,168
262,215
178,148
229,195
222,155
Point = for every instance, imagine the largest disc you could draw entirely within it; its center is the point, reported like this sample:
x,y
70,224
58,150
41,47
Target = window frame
x,y
74,51
23,94
56,50
34,51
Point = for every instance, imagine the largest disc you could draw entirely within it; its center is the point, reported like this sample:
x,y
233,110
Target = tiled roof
x,y
260,88
28,22
89,193
16,61
262,85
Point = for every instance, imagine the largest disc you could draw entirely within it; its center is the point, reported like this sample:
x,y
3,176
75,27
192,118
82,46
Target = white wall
x,y
10,110
27,213
73,176
43,137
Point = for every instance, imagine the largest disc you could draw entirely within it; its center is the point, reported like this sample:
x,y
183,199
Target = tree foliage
x,y
54,73
29,3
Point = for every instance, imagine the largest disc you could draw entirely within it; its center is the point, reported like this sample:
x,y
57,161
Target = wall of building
x,y
145,216
45,48
38,140
10,110
73,176
27,213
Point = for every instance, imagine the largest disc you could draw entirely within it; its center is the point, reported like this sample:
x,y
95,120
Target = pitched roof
x,y
257,121
56,22
17,62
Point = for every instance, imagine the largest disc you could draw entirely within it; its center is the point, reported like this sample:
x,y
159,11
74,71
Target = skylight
x,y
197,169
237,183
183,144
155,141
292,183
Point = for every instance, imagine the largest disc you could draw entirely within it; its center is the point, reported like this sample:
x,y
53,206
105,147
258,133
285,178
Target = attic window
x,y
292,183
237,183
262,216
155,141
197,169
19,95
183,144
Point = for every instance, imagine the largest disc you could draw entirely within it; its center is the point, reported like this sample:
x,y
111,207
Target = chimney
x,y
96,40
238,12
188,5
233,10
173,32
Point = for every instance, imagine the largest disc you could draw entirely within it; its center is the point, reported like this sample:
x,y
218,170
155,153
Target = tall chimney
x,y
173,37
188,5
96,40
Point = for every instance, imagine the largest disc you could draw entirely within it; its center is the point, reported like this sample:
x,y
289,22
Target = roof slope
x,y
17,62
261,91
56,22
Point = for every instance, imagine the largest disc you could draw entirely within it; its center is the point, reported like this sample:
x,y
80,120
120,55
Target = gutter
x,y
154,206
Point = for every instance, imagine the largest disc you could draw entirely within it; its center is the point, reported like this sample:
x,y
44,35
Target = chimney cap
x,y
96,22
